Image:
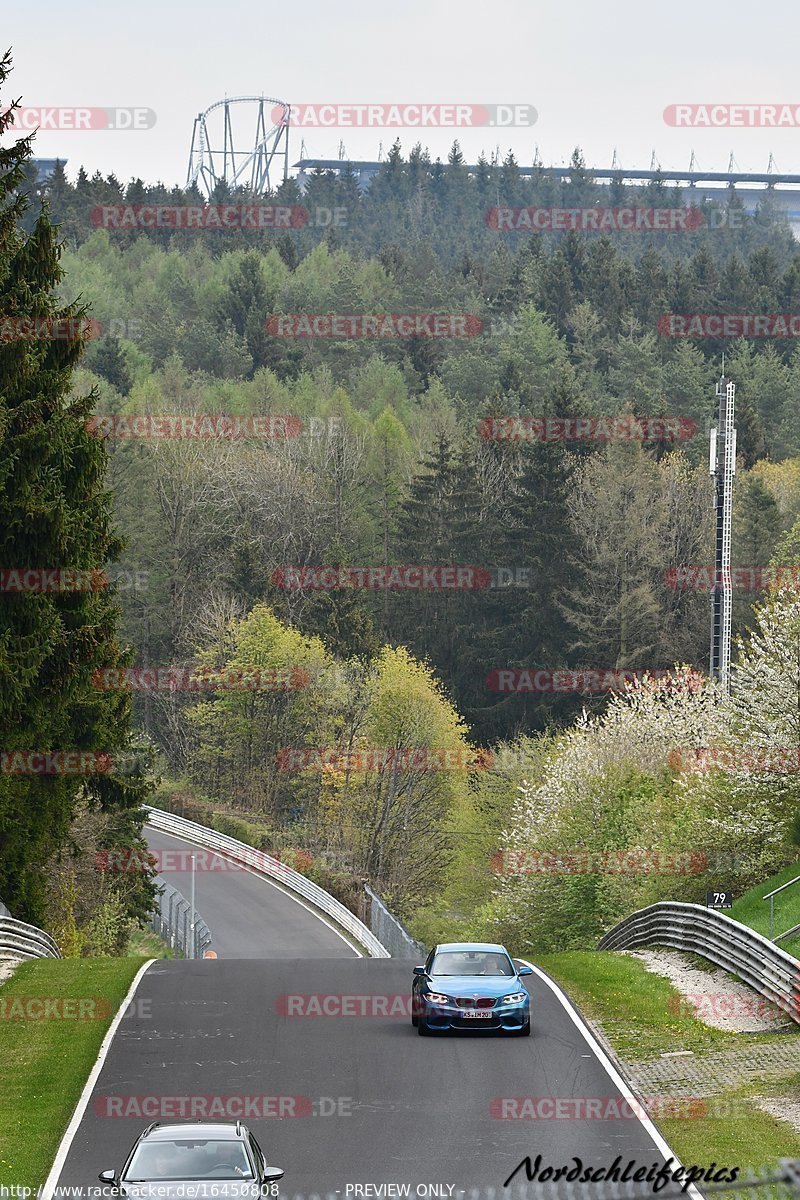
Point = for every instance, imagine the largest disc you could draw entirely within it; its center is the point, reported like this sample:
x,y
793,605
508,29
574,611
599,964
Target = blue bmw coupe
x,y
470,985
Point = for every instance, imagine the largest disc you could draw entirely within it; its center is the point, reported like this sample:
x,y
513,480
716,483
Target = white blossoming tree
x,y
626,781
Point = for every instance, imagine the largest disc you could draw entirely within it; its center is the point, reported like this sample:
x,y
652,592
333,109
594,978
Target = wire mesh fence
x,y
172,921
389,932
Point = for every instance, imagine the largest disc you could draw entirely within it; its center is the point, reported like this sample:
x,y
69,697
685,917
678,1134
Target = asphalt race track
x,y
248,916
364,1100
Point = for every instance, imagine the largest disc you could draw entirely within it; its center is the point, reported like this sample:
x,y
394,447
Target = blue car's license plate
x,y
476,1015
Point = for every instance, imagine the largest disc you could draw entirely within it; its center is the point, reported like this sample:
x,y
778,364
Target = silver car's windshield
x,y
195,1159
472,962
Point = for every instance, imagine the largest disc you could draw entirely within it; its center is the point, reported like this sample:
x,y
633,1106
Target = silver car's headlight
x,y
514,998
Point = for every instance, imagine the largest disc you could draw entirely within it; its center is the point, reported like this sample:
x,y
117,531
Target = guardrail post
x,y
192,949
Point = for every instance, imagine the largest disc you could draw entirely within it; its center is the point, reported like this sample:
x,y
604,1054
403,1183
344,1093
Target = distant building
x,y
46,166
694,185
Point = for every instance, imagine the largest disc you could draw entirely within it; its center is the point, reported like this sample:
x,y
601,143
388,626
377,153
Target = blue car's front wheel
x,y
423,1029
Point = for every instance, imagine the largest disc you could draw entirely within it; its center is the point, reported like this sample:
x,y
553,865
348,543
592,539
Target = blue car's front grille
x,y
474,1002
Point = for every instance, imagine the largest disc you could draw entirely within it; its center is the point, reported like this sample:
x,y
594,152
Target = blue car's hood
x,y
483,985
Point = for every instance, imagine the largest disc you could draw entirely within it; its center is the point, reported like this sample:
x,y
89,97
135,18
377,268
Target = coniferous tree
x,y
537,558
109,361
55,515
443,502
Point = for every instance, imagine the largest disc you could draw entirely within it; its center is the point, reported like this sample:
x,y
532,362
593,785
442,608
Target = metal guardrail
x,y
18,940
292,880
727,943
172,921
771,897
388,930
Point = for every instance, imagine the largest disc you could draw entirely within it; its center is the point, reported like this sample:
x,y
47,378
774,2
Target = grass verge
x,y
146,944
635,1011
753,910
45,1062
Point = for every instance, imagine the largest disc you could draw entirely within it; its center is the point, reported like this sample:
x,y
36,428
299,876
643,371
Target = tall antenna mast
x,y
722,468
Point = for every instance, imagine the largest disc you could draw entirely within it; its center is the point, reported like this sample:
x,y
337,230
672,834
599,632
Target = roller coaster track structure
x,y
260,123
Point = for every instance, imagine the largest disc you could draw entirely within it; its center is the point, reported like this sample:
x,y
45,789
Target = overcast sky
x,y
598,74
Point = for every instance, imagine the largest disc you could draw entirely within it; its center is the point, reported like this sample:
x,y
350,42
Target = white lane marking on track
x,y
264,879
81,1106
612,1072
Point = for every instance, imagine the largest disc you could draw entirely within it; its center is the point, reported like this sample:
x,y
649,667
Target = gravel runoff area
x,y
783,1109
7,966
724,1003
712,996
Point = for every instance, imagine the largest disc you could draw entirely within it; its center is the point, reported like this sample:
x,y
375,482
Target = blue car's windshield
x,y
472,962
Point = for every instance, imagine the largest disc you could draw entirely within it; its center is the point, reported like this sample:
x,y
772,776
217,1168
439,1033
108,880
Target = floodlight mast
x,y
213,156
722,468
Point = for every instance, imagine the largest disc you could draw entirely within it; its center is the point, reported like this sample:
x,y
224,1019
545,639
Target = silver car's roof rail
x,y
239,1129
150,1128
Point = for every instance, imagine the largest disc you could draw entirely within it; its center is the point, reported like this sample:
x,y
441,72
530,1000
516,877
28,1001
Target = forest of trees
x,y
576,542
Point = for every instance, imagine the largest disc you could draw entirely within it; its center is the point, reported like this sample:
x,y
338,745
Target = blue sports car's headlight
x,y
514,998
438,998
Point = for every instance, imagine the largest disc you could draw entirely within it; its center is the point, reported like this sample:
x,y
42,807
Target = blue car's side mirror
x,y
419,970
524,970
